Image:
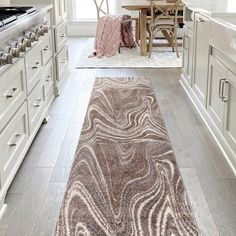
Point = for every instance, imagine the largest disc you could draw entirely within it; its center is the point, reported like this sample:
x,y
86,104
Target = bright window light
x,y
86,9
232,5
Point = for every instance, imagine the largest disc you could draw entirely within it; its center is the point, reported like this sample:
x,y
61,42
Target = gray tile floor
x,y
35,195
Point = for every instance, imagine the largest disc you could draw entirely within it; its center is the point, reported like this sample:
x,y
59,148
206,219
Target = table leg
x,y
143,32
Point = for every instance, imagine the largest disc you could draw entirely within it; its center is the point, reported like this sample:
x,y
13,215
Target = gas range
x,y
26,29
10,14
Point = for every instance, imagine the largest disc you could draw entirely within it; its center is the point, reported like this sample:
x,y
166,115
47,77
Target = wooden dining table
x,y
143,6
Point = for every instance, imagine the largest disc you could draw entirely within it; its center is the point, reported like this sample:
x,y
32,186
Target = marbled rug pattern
x,y
124,180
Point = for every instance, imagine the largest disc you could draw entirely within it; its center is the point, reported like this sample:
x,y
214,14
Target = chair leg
x,y
176,44
137,29
150,44
173,41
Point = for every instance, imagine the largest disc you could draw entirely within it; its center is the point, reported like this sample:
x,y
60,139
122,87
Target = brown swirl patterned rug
x,y
124,180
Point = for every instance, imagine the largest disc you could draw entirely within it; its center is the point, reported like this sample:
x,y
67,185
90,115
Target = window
x,y
231,5
85,10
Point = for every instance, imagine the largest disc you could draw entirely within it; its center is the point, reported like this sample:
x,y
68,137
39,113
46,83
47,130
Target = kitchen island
x,y
209,68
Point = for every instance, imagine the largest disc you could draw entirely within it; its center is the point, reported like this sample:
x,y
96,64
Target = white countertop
x,y
214,7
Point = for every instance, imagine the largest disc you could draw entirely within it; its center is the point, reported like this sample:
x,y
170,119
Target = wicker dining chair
x,y
163,20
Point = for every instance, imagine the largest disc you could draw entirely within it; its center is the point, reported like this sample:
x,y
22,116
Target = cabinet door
x,y
188,55
202,29
215,105
230,111
63,9
185,67
57,12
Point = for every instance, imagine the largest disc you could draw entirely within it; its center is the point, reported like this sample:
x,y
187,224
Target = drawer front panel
x,y
36,106
62,62
33,62
225,44
61,36
48,78
12,91
12,142
46,48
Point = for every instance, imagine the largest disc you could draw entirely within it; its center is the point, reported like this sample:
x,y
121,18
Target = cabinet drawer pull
x,y
200,20
36,65
46,49
63,35
63,61
220,88
15,140
225,95
184,42
10,93
38,104
48,78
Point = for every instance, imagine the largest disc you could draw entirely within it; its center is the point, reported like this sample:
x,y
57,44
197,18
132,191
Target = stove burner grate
x,y
10,14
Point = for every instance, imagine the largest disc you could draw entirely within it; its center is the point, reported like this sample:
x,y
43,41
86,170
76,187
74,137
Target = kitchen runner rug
x,y
124,180
129,58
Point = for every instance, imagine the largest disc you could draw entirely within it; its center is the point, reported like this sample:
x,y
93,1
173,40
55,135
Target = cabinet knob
x,y
200,20
15,140
10,93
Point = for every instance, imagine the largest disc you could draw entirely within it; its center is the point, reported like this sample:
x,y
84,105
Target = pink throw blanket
x,y
111,34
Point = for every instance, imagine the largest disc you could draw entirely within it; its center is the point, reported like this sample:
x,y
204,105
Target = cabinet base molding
x,y
61,84
3,209
227,152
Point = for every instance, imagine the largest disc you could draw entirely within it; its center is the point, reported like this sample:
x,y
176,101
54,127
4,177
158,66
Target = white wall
x,y
4,2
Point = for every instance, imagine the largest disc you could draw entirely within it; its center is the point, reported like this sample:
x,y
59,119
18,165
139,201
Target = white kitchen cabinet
x,y
217,77
13,140
59,36
12,91
202,29
57,11
187,67
63,5
34,65
229,97
60,11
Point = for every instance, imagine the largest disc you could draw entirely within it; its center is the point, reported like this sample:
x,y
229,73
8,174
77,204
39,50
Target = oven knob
x,y
26,42
32,36
45,28
16,49
2,62
13,52
39,31
35,36
6,58
22,44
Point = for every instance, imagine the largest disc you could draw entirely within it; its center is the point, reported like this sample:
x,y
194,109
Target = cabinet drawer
x,y
223,38
62,62
13,139
36,106
46,47
33,63
61,36
48,78
12,91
